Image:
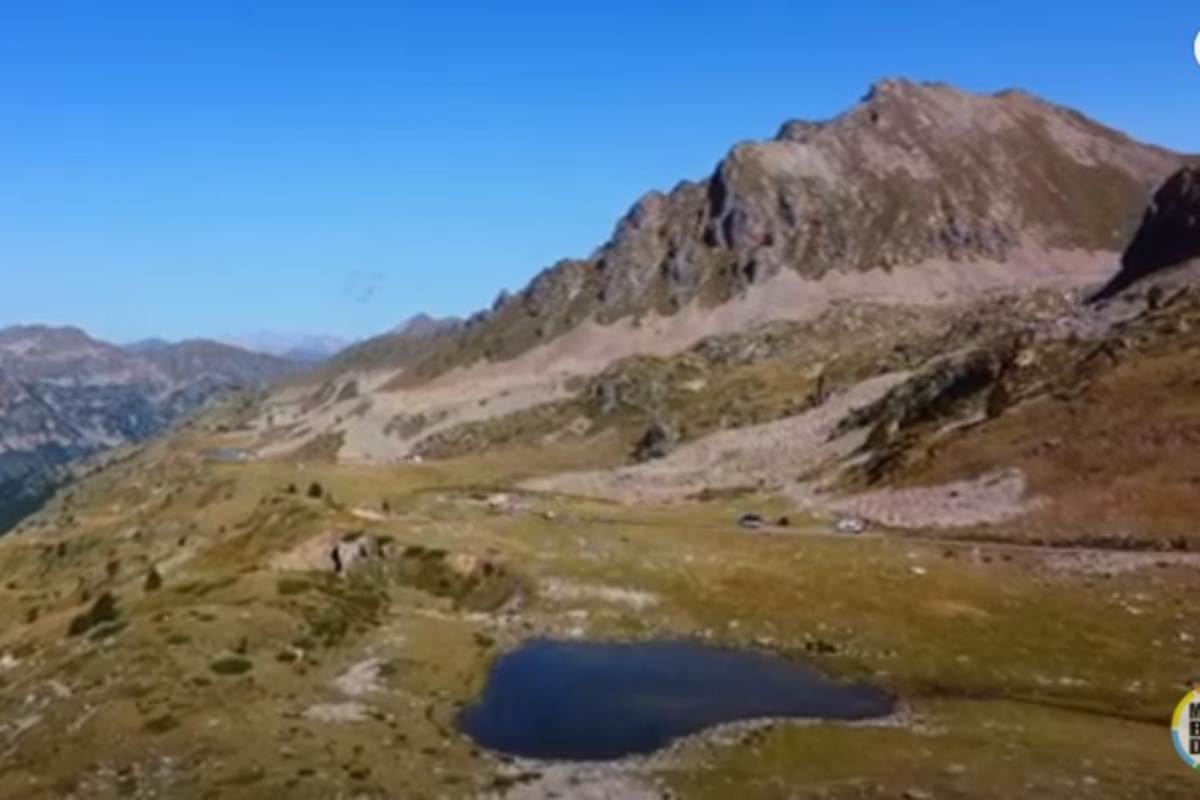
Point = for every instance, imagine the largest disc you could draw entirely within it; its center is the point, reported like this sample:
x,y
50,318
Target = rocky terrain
x,y
920,195
915,173
881,395
64,395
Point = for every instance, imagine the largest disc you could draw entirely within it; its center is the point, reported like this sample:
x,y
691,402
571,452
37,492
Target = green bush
x,y
103,610
153,581
231,665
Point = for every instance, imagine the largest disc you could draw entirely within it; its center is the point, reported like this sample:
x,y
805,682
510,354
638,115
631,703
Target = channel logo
x,y
1185,729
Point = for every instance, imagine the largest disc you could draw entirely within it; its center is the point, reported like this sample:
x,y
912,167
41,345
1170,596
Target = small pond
x,y
228,454
593,701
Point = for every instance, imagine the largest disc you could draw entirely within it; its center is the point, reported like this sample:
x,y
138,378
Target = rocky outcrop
x,y
920,194
932,393
657,442
1169,234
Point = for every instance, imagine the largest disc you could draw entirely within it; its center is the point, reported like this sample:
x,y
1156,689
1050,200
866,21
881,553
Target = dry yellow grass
x,y
207,685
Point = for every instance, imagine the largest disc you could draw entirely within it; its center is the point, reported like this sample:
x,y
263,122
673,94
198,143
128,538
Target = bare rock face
x,y
933,392
354,550
1169,234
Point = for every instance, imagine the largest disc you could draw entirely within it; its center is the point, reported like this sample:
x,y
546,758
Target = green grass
x,y
1052,658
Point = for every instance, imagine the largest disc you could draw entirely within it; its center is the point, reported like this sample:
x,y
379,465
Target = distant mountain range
x,y
302,347
64,395
312,349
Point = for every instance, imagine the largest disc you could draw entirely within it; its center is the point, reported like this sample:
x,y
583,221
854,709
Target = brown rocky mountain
x,y
920,193
64,395
912,174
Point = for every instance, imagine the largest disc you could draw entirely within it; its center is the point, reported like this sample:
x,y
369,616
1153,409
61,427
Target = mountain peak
x,y
49,334
423,326
935,190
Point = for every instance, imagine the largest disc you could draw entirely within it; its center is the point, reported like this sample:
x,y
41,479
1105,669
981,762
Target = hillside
x,y
64,395
920,194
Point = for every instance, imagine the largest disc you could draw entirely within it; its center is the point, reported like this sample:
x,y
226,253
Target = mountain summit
x,y
920,193
980,190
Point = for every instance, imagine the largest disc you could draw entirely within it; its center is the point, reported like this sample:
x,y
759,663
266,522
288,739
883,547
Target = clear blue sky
x,y
198,168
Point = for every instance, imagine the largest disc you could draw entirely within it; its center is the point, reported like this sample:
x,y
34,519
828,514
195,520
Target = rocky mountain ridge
x,y
919,194
914,173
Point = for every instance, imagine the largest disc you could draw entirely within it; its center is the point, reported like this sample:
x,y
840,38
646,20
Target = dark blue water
x,y
588,701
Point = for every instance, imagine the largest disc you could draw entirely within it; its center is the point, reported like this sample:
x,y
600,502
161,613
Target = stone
x,y
658,441
853,525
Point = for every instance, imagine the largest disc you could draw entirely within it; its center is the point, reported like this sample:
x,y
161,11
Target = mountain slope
x,y
64,395
913,173
921,193
1036,416
407,343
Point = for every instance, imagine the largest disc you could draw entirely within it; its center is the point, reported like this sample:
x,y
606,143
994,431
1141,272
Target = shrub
x,y
153,581
103,610
289,586
231,665
162,724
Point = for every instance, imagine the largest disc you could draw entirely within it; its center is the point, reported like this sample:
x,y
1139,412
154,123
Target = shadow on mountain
x,y
1168,236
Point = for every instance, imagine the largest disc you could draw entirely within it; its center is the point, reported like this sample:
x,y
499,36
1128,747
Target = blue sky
x,y
203,168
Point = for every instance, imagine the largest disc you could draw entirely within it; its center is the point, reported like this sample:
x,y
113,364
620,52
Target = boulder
x,y
1169,233
751,520
850,524
658,440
